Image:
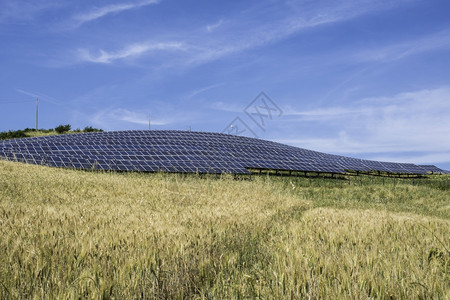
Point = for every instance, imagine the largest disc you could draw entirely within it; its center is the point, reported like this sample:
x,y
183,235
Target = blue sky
x,y
367,79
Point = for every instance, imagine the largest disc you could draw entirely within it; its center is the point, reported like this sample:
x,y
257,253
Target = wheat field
x,y
67,234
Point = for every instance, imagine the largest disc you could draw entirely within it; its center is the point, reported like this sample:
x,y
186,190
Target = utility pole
x,y
149,128
37,112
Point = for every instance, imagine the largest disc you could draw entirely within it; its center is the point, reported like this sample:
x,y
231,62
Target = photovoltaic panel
x,y
432,169
182,151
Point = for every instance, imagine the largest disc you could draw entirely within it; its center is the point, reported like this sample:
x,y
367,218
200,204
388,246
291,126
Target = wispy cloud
x,y
24,11
227,107
100,12
236,34
324,114
199,91
404,49
416,121
428,158
113,118
40,96
212,27
129,116
131,51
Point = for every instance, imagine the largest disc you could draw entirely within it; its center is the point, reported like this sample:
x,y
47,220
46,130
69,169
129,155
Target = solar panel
x,y
432,169
183,152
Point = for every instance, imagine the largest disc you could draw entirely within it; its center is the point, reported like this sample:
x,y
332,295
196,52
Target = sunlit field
x,y
67,234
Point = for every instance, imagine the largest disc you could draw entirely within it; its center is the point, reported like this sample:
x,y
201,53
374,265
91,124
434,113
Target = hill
x,y
77,234
29,132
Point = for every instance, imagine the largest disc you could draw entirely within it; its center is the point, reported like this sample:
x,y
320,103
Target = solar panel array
x,y
182,152
434,169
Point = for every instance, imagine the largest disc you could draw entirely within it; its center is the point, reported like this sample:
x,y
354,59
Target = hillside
x,y
76,234
29,132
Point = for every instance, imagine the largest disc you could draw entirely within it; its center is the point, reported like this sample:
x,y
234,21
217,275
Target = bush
x,y
26,132
90,129
62,128
12,134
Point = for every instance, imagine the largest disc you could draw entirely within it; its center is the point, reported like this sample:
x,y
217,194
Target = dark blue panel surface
x,y
185,152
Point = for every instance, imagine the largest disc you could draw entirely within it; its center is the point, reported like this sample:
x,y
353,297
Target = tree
x,y
62,128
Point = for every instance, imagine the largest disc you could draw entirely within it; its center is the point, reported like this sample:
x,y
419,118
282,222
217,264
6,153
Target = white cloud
x,y
404,123
250,29
134,50
126,115
40,96
422,159
227,107
241,37
103,11
25,11
401,50
324,114
212,27
112,117
199,91
238,35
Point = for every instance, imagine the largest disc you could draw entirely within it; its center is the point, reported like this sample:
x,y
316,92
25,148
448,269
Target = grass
x,y
28,132
39,133
74,234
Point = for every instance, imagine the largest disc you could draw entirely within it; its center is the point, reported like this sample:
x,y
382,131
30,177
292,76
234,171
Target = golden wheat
x,y
74,234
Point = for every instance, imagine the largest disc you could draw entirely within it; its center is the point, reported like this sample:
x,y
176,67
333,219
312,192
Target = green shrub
x,y
32,132
91,129
12,134
62,128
